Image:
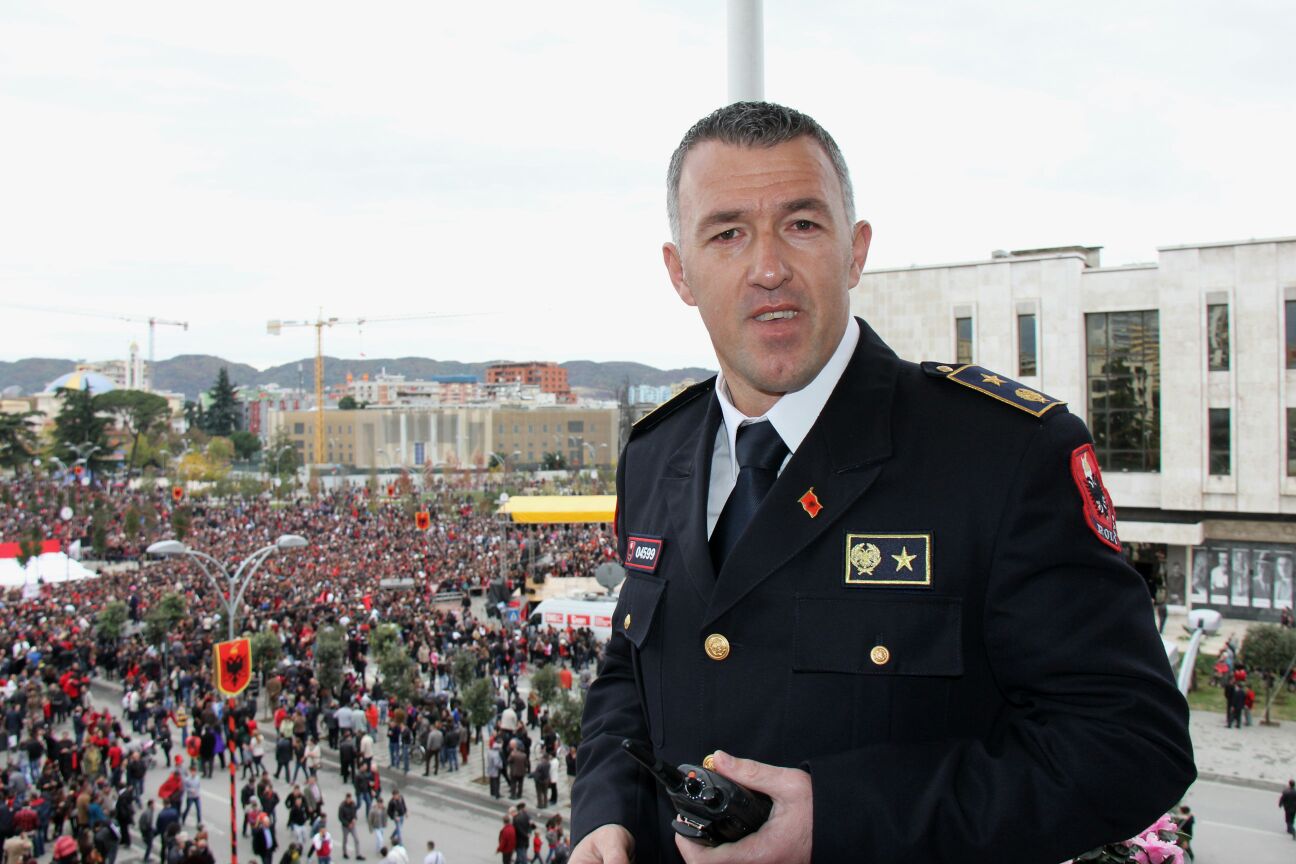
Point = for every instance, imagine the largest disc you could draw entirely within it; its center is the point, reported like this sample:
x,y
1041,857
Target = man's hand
x,y
784,838
607,844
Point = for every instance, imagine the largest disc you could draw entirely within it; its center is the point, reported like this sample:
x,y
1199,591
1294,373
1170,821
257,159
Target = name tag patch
x,y
903,560
643,552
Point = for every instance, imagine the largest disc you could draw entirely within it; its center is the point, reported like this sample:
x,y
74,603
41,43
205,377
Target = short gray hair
x,y
753,124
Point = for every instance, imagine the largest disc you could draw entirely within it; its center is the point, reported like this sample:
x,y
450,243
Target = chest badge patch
x,y
810,503
1099,511
643,552
889,559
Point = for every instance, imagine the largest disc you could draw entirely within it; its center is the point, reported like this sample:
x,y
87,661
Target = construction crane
x,y
151,321
275,328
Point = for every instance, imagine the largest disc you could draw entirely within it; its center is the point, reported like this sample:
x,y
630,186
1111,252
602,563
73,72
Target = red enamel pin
x,y
810,503
1099,511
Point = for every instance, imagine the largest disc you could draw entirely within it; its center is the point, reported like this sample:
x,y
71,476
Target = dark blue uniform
x,y
925,614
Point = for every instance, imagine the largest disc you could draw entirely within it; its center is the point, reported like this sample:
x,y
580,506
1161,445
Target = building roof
x,y
92,381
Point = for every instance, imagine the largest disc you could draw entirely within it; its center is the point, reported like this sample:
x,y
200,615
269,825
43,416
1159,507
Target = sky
x,y
502,164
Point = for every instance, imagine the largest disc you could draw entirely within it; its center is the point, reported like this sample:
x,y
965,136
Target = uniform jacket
x,y
1023,709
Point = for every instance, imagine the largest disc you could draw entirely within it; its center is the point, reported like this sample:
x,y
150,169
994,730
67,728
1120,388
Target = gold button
x,y
880,655
709,762
944,369
627,621
717,647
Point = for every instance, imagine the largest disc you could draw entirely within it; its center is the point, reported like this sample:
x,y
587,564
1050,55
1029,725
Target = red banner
x,y
11,550
233,666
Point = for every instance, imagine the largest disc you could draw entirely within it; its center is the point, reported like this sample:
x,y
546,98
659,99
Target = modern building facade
x,y
1184,369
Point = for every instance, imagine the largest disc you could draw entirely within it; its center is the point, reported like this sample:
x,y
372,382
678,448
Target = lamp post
x,y
235,584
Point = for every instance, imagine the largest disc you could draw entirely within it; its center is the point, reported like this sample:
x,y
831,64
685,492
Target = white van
x,y
576,611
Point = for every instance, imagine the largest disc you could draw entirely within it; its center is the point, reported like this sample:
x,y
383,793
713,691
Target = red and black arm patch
x,y
1099,511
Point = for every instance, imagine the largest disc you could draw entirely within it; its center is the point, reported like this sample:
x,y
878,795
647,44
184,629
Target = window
x,y
1291,442
1220,454
963,340
1217,337
1027,355
1291,334
1124,388
576,426
299,428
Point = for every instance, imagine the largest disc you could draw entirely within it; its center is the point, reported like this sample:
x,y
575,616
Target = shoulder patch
x,y
671,405
1004,389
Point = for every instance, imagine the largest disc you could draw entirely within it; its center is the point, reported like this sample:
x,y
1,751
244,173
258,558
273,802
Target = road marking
x,y
1231,826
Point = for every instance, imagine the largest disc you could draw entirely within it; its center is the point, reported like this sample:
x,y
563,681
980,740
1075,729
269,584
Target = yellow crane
x,y
275,327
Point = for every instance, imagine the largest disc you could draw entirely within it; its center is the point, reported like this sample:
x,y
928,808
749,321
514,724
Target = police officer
x,y
895,590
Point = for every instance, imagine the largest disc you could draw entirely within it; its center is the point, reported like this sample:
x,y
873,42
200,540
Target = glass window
x,y
1217,337
1124,388
1027,356
1291,442
963,340
1291,334
1220,455
299,428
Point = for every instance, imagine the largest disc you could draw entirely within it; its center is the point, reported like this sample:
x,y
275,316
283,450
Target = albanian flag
x,y
233,666
177,493
423,520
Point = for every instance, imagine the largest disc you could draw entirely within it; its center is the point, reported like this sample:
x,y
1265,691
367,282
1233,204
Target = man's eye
x,y
727,234
804,225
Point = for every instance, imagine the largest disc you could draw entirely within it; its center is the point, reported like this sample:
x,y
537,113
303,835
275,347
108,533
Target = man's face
x,y
766,255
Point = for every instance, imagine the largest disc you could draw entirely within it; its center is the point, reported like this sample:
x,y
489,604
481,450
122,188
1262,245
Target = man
x,y
347,812
433,856
522,826
1287,801
192,785
322,844
147,819
902,600
264,842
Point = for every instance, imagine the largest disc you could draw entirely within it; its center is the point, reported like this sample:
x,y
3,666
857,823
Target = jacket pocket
x,y
887,636
637,618
637,606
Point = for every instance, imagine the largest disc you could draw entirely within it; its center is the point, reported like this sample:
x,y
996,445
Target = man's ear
x,y
675,267
860,240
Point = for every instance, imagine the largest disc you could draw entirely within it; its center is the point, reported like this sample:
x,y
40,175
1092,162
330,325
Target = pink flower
x,y
1165,823
1154,850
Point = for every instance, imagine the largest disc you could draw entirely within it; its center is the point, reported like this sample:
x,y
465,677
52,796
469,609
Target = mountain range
x,y
191,374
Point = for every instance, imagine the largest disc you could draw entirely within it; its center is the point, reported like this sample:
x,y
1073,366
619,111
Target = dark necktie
x,y
760,452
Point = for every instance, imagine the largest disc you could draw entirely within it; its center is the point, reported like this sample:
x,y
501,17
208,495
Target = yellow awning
x,y
560,508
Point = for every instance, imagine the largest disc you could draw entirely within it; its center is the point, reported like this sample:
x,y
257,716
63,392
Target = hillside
x,y
190,374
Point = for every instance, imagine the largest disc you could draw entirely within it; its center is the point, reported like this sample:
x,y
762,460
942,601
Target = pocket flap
x,y
915,635
640,596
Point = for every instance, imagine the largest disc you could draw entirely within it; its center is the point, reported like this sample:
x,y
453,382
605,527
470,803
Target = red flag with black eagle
x,y
233,666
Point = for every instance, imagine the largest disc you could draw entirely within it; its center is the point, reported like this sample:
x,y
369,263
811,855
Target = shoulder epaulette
x,y
671,405
996,386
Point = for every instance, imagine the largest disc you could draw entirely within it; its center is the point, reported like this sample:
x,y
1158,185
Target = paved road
x,y
1238,825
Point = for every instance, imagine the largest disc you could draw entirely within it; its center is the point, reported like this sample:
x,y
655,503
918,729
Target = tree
x,y
1269,650
137,412
566,718
180,522
222,415
544,684
398,672
267,649
110,621
30,546
347,403
330,651
280,456
246,445
78,424
163,617
463,668
479,705
383,637
17,439
553,462
131,523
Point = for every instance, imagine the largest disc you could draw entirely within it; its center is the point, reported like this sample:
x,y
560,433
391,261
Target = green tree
x,y
222,415
383,637
553,462
463,668
267,650
180,522
544,684
17,439
330,651
347,403
479,704
246,445
1269,650
30,546
162,618
131,523
78,424
398,672
137,412
110,621
566,718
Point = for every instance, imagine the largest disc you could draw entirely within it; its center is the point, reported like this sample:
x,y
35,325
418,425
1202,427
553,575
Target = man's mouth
x,y
774,316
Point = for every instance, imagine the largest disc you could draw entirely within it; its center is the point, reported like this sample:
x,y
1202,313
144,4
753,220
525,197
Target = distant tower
x,y
135,369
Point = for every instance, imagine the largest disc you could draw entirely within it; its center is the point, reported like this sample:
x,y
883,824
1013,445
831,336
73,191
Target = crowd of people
x,y
74,779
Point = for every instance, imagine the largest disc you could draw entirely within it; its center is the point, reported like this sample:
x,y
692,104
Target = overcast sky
x,y
225,164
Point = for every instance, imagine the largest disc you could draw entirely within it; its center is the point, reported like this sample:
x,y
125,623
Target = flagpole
x,y
229,743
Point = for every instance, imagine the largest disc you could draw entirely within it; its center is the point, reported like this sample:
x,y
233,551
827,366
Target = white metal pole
x,y
746,51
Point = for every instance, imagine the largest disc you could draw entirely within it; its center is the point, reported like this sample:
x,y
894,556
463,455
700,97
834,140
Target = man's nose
x,y
768,267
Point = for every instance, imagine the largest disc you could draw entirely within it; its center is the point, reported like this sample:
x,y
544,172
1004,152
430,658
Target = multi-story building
x,y
385,389
549,377
454,437
1184,369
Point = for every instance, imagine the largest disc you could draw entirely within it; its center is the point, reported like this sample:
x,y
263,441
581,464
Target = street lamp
x,y
236,584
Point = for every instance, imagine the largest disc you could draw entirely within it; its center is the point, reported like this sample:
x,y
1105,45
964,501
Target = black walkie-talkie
x,y
710,809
